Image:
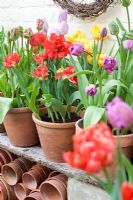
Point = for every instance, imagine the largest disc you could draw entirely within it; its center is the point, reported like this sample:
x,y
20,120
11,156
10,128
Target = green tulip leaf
x,y
5,105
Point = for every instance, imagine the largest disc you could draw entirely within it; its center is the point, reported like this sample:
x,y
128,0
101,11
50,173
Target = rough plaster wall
x,y
25,12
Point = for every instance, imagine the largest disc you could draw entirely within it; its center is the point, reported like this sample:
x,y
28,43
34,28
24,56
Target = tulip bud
x,y
42,25
28,33
126,3
14,33
91,90
104,32
114,28
62,15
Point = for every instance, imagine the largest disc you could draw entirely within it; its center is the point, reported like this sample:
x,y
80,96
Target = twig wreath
x,y
83,10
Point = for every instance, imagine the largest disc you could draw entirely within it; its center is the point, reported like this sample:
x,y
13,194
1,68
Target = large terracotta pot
x,y
20,127
126,141
55,138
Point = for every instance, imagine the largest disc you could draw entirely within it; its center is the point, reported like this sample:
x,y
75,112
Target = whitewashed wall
x,y
25,12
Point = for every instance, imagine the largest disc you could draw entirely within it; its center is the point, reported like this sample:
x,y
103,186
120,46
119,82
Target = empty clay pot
x,y
9,190
12,173
44,170
53,190
55,138
3,192
53,173
32,179
28,164
10,155
60,178
21,191
34,195
20,127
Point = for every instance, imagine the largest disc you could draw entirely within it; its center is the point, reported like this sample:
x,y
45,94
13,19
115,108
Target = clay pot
x,y
32,179
27,163
10,155
53,173
35,195
42,169
7,191
21,191
55,138
126,141
53,190
20,127
12,173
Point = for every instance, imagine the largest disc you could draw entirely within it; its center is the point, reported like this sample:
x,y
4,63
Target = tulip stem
x,y
128,17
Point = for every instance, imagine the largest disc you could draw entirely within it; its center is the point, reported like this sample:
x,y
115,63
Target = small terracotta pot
x,y
34,196
44,170
126,141
12,173
27,163
55,138
60,178
21,191
10,195
53,173
20,127
3,192
53,190
10,155
32,179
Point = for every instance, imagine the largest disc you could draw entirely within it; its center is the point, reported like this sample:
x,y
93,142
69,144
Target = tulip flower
x,y
91,90
62,15
76,49
126,191
110,64
128,44
120,114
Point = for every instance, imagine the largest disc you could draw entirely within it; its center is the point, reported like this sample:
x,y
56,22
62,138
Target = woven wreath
x,y
83,10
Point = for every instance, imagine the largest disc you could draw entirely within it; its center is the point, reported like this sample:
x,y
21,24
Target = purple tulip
x,y
76,49
110,64
28,33
62,15
91,90
128,44
104,32
42,25
120,114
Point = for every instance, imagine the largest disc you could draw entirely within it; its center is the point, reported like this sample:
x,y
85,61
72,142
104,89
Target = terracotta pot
x,y
55,138
53,190
34,196
27,163
21,191
126,141
10,155
10,195
43,170
60,179
20,128
3,192
53,173
32,179
12,173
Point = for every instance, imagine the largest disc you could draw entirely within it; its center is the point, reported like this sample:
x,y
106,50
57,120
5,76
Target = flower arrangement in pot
x,y
99,85
16,84
56,124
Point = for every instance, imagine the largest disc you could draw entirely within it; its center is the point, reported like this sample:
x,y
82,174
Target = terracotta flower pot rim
x,y
19,110
54,125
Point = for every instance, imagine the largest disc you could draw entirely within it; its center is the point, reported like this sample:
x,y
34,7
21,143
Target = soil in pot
x,y
55,138
20,127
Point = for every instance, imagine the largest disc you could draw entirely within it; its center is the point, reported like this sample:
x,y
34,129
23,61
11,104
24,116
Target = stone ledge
x,y
35,154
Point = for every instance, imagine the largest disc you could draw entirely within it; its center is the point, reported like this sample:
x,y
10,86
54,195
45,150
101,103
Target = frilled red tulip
x,y
41,72
40,58
93,149
11,60
126,191
57,46
64,73
37,39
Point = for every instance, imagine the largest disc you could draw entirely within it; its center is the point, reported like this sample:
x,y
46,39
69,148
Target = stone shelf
x,y
35,154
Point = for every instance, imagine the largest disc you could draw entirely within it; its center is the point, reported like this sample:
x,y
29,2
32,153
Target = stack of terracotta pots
x,y
22,180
